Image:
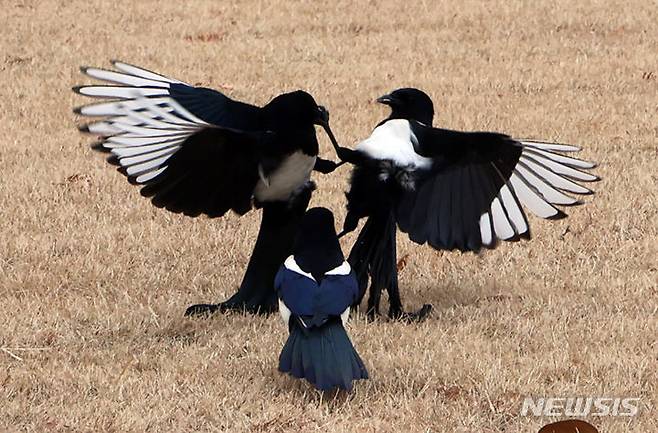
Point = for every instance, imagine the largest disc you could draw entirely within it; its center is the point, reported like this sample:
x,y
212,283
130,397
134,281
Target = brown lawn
x,y
94,280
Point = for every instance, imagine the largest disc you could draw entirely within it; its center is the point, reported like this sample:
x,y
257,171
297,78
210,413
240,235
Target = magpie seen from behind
x,y
316,288
449,189
196,151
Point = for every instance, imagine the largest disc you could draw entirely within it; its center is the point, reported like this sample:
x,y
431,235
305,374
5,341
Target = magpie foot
x,y
414,317
201,310
207,310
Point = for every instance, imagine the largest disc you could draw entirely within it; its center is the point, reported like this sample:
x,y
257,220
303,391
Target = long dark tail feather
x,y
324,356
374,253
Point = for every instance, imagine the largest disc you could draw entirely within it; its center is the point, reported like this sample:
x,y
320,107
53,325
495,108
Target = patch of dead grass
x,y
93,280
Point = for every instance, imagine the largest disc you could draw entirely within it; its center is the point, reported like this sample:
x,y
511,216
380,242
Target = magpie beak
x,y
386,99
323,121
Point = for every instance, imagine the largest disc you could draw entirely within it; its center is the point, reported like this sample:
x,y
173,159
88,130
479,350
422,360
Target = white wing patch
x,y
539,181
144,126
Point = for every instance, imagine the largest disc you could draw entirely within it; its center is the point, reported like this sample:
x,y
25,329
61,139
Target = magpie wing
x,y
302,295
479,184
129,83
193,150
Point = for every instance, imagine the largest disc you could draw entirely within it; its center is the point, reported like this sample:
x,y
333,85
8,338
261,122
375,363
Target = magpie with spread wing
x,y
449,189
195,151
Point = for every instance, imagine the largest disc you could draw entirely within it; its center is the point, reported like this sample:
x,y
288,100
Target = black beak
x,y
323,121
386,100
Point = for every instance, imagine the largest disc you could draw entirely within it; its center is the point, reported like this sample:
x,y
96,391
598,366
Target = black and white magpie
x,y
196,151
449,189
316,288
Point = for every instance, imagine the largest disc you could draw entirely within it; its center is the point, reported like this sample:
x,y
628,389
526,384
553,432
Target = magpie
x,y
316,287
449,189
195,151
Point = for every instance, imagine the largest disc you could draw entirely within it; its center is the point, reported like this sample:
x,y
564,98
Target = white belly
x,y
392,141
293,172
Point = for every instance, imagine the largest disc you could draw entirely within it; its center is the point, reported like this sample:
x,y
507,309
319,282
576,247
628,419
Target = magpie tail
x,y
322,355
374,254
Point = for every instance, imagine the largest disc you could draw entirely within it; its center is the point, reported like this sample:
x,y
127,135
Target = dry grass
x,y
93,280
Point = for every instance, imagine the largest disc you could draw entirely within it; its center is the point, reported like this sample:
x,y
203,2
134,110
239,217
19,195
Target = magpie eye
x,y
324,113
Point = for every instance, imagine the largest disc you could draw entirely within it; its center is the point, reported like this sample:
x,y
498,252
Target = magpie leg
x,y
278,229
395,310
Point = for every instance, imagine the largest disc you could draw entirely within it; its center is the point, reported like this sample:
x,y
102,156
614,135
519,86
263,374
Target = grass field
x,y
94,280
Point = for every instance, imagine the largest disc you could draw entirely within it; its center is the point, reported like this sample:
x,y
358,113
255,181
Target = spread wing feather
x,y
479,183
193,150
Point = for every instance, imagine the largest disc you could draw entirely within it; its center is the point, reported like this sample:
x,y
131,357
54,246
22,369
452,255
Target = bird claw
x,y
207,310
344,153
350,224
201,310
413,317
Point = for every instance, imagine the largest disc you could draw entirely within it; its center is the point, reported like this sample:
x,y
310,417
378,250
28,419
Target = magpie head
x,y
297,109
316,247
409,103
